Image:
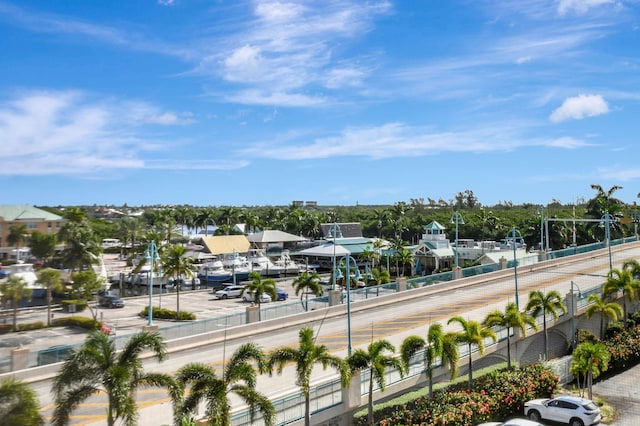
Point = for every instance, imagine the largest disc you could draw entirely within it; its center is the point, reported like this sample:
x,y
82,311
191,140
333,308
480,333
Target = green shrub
x,y
80,304
496,395
82,322
614,328
31,326
163,313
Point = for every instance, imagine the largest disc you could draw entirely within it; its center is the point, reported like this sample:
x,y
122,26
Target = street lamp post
x,y
635,218
606,222
151,255
458,220
347,259
333,277
514,234
573,315
541,213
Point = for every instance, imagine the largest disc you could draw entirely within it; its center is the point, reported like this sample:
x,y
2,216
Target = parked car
x,y
513,422
282,294
110,301
248,297
567,409
229,291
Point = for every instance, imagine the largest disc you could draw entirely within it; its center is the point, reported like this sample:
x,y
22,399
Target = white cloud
x,y
568,143
580,6
258,97
579,107
166,2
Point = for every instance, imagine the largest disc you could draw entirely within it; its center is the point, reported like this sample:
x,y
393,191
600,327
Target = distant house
x,y
33,218
433,252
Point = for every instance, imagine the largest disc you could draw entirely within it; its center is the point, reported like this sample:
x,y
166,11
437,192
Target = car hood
x,y
540,401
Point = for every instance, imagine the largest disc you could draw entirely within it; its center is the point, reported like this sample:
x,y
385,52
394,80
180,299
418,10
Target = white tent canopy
x,y
325,250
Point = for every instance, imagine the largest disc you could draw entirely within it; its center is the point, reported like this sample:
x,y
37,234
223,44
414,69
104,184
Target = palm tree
x,y
19,404
437,345
305,357
621,280
377,360
404,256
12,291
380,276
607,310
204,218
258,287
590,359
97,366
542,304
239,377
510,318
51,279
473,334
176,264
18,235
307,283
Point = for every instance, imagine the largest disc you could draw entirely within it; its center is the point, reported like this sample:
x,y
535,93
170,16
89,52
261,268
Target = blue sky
x,y
336,101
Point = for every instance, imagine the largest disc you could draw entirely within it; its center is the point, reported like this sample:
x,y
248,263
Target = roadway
x,y
393,321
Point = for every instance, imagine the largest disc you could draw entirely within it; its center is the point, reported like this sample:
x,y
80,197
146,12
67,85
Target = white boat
x,y
262,264
214,272
288,265
28,275
237,265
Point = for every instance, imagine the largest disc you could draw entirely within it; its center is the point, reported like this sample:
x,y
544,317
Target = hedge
x,y
163,313
82,322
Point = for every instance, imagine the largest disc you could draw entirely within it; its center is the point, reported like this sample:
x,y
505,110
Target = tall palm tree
x,y
510,318
176,264
18,235
306,283
473,334
438,344
239,377
377,359
621,280
590,359
607,310
541,303
97,366
12,291
258,287
305,357
52,280
19,404
404,256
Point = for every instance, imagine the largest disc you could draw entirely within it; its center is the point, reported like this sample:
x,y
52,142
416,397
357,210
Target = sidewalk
x,y
623,393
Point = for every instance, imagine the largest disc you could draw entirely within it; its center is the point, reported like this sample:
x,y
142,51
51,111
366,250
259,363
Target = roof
x,y
25,212
435,225
222,244
495,256
274,236
325,250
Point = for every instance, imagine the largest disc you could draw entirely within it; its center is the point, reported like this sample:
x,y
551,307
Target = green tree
x,y
12,291
621,280
18,235
510,319
97,366
82,247
472,334
607,310
438,345
305,357
590,359
175,263
239,377
541,303
51,279
257,287
380,276
85,285
43,246
306,283
19,405
404,256
377,358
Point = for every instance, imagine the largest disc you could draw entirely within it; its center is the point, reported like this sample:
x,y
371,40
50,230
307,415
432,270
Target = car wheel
x,y
576,422
245,298
535,416
224,296
110,305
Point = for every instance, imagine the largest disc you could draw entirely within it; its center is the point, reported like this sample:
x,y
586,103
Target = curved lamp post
x,y
458,220
347,259
514,234
573,314
151,254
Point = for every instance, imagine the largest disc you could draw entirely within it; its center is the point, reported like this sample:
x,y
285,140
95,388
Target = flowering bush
x,y
495,395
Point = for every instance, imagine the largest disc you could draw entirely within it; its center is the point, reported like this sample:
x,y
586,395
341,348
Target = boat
x,y
214,272
288,265
28,275
237,265
261,264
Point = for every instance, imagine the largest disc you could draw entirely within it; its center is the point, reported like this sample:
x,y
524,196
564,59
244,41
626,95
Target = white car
x,y
513,422
229,291
248,297
570,410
